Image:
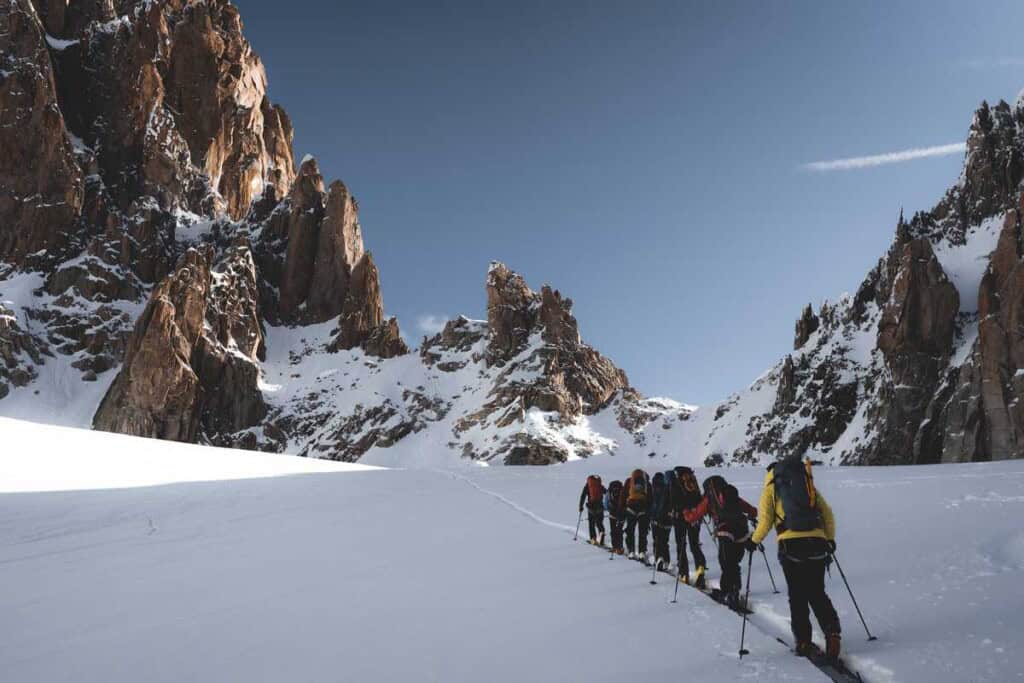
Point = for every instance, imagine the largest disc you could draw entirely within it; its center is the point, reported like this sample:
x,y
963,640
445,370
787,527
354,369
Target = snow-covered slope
x,y
334,572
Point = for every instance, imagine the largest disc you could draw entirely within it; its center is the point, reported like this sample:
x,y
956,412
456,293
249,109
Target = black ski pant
x,y
661,531
595,522
689,532
636,524
803,562
616,525
730,555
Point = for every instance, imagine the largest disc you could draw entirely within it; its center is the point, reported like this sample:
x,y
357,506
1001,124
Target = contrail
x,y
887,158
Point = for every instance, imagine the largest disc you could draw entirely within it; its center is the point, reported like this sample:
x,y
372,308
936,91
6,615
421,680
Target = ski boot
x,y
832,646
803,648
700,582
685,579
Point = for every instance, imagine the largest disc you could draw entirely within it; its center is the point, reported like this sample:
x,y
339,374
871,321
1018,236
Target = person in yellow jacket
x,y
805,548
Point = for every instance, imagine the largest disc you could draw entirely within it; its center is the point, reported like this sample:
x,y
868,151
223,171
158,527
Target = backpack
x,y
611,499
794,487
687,479
637,488
595,492
659,496
724,503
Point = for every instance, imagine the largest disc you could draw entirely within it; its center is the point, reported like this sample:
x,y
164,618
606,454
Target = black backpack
x,y
614,494
724,503
794,487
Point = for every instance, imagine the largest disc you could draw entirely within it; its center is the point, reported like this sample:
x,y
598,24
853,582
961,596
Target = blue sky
x,y
648,159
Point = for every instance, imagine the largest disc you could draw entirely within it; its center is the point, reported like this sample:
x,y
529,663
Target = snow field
x,y
225,571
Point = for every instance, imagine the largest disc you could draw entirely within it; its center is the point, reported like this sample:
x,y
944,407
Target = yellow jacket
x,y
770,514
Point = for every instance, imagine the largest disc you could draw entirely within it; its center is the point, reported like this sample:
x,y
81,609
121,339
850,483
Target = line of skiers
x,y
672,501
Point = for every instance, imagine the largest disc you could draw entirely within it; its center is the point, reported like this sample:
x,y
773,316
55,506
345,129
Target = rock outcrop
x,y
917,368
985,419
149,179
156,394
41,185
189,373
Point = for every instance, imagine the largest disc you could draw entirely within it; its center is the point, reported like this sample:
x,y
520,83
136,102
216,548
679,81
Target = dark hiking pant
x,y
616,525
595,522
661,532
803,562
636,524
686,532
730,555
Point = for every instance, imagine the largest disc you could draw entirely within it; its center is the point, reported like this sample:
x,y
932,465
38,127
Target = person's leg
x,y
679,529
600,527
824,611
592,525
630,529
661,551
644,525
616,533
796,586
693,532
730,563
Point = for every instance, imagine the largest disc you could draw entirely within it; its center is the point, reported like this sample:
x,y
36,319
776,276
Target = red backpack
x,y
595,492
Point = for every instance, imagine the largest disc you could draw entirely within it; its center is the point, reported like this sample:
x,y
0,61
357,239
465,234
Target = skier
x,y
634,498
730,513
616,514
806,533
684,494
661,525
593,496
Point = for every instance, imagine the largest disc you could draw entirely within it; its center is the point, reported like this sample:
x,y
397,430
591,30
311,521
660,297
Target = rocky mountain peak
x,y
805,326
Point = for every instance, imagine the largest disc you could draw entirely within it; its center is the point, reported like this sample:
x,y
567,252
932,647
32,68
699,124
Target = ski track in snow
x,y
515,506
769,623
148,549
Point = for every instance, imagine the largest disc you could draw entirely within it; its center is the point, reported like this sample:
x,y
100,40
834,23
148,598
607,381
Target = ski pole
x,y
679,576
654,565
769,567
746,601
707,525
859,614
579,521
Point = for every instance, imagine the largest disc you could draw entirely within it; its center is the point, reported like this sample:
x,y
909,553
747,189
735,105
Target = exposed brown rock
x,y
339,249
915,336
307,212
510,313
805,327
226,125
986,420
20,353
156,393
188,370
41,185
362,316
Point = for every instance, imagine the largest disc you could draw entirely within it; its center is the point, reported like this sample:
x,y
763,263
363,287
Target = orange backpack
x,y
594,493
637,488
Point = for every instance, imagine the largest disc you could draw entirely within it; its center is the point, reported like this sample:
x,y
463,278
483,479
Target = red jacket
x,y
694,515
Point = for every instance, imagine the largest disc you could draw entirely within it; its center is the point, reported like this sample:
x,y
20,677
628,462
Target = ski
x,y
835,669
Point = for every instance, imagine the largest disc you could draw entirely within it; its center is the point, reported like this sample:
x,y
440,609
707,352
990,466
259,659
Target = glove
x,y
754,547
831,547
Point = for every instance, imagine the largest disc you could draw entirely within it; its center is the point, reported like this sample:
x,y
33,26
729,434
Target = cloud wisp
x,y
887,158
430,324
993,62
